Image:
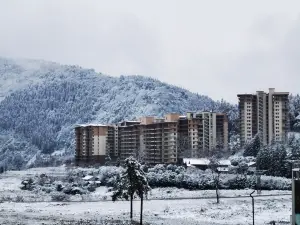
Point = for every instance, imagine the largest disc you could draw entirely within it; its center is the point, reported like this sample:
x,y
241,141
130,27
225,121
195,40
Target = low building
x,y
203,163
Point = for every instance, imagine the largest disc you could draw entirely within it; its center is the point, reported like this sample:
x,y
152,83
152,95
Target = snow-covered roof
x,y
92,125
225,162
193,161
298,117
88,177
205,161
223,169
251,163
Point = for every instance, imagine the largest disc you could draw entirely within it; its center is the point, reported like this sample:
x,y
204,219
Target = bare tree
x,y
213,166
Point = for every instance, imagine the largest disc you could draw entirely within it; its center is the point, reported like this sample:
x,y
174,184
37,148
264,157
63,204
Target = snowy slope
x,y
41,101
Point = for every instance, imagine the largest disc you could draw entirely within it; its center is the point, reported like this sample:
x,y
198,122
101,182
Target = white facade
x,y
99,145
209,137
248,120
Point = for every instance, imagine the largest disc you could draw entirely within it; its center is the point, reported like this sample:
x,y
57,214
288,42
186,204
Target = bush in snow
x,y
237,182
91,187
27,184
160,176
60,197
19,198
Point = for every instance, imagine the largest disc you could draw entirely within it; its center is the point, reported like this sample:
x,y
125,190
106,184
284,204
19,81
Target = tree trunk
x,y
217,187
131,202
141,216
217,193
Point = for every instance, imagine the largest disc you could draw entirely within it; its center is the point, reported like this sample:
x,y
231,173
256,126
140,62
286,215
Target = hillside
x,y
41,101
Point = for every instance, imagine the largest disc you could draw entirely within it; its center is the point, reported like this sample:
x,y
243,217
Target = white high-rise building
x,y
266,114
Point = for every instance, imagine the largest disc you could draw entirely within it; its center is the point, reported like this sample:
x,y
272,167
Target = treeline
x,y
276,159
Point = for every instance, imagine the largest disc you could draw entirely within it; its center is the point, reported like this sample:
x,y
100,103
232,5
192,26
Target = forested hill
x,y
41,101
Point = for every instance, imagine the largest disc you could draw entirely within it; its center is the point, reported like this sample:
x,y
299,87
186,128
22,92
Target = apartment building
x,y
265,114
94,142
222,136
206,130
151,140
129,140
154,140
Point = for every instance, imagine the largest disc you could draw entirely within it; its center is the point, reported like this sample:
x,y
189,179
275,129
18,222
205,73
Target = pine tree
x,y
294,145
253,147
278,160
263,159
273,159
132,182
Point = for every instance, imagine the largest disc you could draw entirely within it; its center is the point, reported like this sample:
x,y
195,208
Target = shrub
x,y
159,176
237,182
91,187
27,184
60,197
59,187
19,198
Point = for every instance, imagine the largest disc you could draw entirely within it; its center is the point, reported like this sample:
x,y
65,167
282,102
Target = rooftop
x,y
281,93
272,90
91,125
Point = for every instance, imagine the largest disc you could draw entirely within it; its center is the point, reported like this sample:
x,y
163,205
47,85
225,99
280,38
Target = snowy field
x,y
97,207
169,212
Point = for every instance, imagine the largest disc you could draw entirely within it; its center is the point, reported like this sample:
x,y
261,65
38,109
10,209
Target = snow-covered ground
x,y
157,210
10,183
169,212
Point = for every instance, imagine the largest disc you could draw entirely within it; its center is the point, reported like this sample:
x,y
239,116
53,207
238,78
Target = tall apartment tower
x,y
206,131
265,114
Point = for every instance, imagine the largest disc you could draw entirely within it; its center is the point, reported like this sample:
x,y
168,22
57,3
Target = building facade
x,y
265,114
153,140
94,142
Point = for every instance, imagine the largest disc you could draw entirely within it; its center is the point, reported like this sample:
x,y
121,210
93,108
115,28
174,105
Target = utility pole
x,y
295,191
252,205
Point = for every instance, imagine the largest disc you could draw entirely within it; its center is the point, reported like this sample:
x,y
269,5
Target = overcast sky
x,y
217,48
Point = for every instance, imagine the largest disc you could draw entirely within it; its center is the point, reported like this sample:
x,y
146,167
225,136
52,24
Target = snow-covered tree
x,y
253,147
107,160
234,143
273,159
294,147
132,182
294,111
